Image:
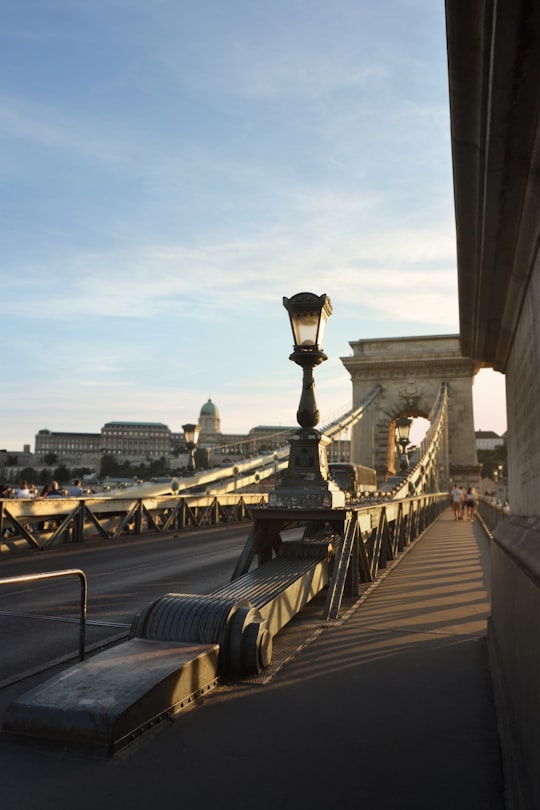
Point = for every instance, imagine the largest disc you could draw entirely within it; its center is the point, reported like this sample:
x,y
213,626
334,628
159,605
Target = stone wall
x,y
494,91
523,406
513,634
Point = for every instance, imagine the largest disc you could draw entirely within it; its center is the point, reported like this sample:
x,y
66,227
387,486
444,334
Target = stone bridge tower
x,y
410,371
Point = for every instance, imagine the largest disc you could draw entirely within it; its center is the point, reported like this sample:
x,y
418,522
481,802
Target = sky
x,y
170,169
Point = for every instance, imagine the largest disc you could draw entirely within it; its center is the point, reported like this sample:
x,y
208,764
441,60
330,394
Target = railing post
x,y
138,517
57,575
79,523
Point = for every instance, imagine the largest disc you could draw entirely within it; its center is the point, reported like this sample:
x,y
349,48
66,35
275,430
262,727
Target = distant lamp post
x,y
306,482
191,438
440,482
403,429
501,489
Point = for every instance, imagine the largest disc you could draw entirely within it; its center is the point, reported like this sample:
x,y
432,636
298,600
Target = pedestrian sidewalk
x,y
391,708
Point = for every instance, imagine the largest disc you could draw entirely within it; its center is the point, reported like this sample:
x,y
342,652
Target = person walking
x,y
456,498
470,504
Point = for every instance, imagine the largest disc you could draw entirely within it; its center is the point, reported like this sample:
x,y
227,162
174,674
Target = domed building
x,y
242,445
211,436
210,422
142,442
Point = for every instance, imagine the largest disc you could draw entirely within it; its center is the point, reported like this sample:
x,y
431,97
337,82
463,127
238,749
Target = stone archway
x,y
410,371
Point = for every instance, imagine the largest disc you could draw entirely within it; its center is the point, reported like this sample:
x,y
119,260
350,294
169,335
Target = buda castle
x,y
149,441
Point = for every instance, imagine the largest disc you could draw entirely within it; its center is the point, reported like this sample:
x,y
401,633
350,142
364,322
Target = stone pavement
x,y
390,709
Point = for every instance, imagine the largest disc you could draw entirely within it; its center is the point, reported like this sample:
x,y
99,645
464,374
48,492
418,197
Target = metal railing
x,y
42,523
68,572
429,455
491,513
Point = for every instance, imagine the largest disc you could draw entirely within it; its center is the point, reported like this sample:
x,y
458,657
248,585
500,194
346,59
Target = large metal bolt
x,y
257,647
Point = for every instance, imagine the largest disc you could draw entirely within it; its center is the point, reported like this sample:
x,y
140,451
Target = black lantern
x,y
191,438
308,314
403,429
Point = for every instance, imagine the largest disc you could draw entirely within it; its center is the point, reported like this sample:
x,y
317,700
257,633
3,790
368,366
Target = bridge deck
x,y
391,709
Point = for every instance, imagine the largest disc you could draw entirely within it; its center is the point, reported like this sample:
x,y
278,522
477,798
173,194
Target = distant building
x,y
16,460
149,441
210,422
136,440
258,439
66,444
488,440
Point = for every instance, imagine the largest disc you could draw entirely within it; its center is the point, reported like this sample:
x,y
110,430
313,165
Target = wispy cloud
x,y
147,281
41,124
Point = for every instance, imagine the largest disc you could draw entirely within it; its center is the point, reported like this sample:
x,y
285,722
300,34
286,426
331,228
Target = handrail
x,y
76,518
56,575
490,513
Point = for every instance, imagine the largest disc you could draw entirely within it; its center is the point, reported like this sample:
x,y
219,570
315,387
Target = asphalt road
x,y
39,622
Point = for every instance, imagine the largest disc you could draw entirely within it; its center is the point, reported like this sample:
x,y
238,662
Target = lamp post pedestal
x,y
306,483
404,461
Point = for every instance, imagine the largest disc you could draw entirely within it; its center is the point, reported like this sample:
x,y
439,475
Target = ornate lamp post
x,y
306,482
191,438
403,429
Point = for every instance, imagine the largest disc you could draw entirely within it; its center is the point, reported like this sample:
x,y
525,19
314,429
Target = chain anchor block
x,y
236,625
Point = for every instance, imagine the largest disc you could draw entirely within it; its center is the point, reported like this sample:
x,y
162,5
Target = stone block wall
x,y
523,407
513,627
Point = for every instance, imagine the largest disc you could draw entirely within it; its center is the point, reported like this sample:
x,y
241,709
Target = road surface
x,y
39,622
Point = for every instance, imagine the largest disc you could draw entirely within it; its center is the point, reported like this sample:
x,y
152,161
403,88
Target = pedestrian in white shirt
x,y
456,498
22,491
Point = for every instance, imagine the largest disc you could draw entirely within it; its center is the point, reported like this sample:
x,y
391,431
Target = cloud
x,y
336,239
32,122
162,199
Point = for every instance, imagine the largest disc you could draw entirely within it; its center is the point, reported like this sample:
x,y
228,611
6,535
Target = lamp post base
x,y
306,498
306,483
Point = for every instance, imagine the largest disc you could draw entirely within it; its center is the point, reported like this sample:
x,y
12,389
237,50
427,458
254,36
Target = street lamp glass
x,y
191,433
403,427
308,314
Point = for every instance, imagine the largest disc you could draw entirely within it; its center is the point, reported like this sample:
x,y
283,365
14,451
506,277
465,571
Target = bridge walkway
x,y
390,709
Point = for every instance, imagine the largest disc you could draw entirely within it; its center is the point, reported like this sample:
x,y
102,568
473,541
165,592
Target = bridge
x,y
494,77
302,554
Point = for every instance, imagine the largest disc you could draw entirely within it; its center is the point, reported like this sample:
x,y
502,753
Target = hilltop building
x,y
148,441
145,442
67,444
488,440
209,420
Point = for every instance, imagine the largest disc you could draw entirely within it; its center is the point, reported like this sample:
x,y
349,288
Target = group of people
x,y
463,503
52,490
